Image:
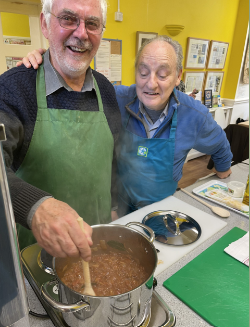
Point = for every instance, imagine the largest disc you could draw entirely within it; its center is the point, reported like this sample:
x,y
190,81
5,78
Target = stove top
x,y
37,267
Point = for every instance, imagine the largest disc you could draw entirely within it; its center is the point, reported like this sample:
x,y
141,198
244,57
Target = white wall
x,y
240,110
241,102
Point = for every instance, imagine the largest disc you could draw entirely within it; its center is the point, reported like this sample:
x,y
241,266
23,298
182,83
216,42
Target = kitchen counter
x,y
185,317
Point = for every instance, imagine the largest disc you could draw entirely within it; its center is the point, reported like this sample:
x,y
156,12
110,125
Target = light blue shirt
x,y
148,123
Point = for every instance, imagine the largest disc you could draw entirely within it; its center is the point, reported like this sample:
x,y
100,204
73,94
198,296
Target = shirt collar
x,y
54,81
145,114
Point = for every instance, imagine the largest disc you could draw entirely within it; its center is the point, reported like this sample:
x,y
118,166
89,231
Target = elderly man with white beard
x,y
61,123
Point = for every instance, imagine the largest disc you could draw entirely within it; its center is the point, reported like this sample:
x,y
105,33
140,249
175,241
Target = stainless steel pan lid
x,y
173,227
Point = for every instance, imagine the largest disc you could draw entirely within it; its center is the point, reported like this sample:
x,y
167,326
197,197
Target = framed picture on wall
x,y
214,81
193,80
141,37
217,55
245,77
197,52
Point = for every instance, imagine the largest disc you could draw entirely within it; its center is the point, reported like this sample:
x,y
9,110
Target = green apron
x,y
70,156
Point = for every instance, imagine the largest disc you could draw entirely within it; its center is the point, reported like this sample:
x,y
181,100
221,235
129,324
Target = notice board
x,y
108,60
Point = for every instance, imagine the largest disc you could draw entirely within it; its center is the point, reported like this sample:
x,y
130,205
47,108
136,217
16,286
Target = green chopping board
x,y
215,285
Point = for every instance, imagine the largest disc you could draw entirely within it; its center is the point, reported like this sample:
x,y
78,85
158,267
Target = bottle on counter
x,y
246,194
219,101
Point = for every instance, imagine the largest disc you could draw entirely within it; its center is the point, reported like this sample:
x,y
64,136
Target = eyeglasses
x,y
71,22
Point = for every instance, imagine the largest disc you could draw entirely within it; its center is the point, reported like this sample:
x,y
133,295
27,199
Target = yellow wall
x,y
221,20
234,65
213,20
15,24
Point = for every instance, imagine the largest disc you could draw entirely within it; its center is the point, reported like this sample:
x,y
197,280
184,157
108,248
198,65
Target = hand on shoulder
x,y
33,59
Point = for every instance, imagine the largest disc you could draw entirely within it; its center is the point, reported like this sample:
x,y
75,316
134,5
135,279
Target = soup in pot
x,y
112,273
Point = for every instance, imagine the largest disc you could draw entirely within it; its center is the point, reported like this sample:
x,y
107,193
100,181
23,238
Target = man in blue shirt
x,y
160,126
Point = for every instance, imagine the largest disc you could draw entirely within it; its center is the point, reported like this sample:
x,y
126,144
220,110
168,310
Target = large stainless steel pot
x,y
128,309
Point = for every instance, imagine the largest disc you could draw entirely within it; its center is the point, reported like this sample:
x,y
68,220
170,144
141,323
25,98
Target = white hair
x,y
176,45
47,7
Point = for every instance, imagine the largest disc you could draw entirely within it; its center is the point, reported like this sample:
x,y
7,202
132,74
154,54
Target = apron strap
x,y
41,88
99,99
127,119
174,125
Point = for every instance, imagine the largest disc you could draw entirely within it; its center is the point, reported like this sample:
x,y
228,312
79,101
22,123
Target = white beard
x,y
76,69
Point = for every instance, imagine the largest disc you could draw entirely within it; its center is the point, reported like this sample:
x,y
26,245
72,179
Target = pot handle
x,y
58,305
149,230
170,317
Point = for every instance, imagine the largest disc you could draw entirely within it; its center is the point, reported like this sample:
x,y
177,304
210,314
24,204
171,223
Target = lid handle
x,y
165,219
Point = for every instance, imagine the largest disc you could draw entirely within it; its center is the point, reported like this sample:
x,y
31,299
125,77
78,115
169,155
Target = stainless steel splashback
x,y
13,299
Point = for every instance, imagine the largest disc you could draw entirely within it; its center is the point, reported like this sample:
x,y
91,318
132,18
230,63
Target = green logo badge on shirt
x,y
142,151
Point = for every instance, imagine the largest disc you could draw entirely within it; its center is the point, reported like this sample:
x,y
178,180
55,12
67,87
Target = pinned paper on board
x,y
108,60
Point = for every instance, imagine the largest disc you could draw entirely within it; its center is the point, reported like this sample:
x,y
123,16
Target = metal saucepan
x,y
128,309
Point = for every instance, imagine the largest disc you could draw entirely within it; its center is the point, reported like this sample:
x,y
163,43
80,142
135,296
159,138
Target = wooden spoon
x,y
219,211
88,290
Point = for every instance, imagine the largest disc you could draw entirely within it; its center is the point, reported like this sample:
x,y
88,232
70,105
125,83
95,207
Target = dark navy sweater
x,y
18,111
